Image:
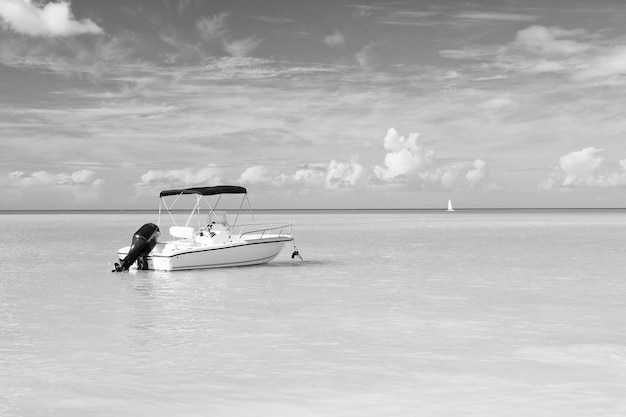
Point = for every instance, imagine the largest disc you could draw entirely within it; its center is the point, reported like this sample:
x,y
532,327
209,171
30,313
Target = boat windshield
x,y
221,217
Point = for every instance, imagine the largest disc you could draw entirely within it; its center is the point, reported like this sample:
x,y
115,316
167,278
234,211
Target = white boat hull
x,y
210,242
177,255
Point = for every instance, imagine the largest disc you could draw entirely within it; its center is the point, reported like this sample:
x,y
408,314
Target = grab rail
x,y
283,230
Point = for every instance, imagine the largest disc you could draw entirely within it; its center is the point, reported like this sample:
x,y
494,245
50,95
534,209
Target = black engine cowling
x,y
143,242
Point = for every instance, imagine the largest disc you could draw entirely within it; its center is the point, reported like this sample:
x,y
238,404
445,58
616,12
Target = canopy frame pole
x,y
238,211
250,208
159,218
211,207
198,198
169,208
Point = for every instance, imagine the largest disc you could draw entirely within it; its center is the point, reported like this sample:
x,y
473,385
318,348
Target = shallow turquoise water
x,y
516,313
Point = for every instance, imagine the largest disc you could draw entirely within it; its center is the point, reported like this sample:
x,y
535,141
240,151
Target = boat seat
x,y
183,232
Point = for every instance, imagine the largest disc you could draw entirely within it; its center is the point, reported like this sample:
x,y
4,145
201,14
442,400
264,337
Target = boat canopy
x,y
219,189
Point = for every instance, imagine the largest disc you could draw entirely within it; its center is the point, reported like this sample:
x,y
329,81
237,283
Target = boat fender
x,y
296,253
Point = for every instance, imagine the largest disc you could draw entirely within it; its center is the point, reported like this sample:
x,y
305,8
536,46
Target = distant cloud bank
x,y
82,186
585,168
407,160
406,164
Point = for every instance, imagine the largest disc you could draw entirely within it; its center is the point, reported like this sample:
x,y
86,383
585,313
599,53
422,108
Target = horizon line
x,y
15,211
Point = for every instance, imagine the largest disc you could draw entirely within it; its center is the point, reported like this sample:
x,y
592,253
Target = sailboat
x,y
450,205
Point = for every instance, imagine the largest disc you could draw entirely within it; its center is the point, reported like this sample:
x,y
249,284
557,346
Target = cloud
x,y
405,156
183,5
549,41
82,186
609,64
407,18
21,180
90,58
544,66
332,176
255,175
273,19
242,48
507,17
408,162
52,19
585,168
367,57
213,27
306,176
476,52
576,53
478,173
335,40
496,103
176,178
579,166
343,175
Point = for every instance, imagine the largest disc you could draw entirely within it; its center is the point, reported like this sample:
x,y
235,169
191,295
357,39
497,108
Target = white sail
x,y
450,205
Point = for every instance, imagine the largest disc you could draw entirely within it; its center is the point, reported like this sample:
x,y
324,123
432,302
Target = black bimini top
x,y
219,189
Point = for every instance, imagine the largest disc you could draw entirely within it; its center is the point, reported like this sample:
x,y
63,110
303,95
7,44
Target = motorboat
x,y
208,238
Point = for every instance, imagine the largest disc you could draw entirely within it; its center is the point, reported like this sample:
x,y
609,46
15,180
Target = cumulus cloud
x,y
81,186
477,173
86,177
332,176
51,19
407,161
549,41
187,177
255,175
580,165
307,176
405,156
343,175
585,168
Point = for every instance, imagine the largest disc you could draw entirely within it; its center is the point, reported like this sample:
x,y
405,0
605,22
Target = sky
x,y
314,104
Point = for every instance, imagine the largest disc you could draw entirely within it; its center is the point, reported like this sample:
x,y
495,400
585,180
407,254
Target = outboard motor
x,y
144,241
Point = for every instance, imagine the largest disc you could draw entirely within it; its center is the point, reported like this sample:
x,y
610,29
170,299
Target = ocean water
x,y
391,313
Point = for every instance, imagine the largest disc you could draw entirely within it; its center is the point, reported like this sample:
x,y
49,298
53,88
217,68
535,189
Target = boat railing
x,y
262,230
